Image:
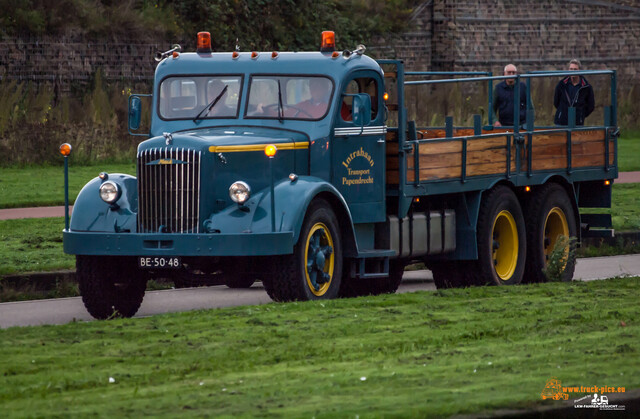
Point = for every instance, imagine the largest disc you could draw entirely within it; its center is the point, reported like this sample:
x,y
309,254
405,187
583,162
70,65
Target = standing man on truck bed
x,y
503,99
573,91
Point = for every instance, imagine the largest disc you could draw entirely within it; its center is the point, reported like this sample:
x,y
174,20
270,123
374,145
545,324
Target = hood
x,y
230,138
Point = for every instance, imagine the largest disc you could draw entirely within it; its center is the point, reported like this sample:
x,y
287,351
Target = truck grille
x,y
169,191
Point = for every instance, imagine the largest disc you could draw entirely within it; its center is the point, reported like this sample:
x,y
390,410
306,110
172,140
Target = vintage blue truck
x,y
302,170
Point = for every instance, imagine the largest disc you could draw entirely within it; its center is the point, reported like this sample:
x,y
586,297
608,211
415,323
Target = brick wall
x,y
444,35
533,34
70,59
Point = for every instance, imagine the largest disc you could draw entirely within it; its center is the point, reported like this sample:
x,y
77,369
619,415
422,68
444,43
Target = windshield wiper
x,y
211,104
280,106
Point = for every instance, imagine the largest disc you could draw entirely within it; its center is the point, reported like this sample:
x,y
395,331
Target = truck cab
x,y
256,162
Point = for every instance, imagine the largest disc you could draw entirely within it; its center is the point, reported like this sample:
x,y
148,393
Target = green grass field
x,y
44,186
410,355
629,153
33,245
36,244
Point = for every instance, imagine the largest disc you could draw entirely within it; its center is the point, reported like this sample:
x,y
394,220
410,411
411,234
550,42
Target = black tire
x,y
239,279
291,279
502,247
110,286
358,287
549,214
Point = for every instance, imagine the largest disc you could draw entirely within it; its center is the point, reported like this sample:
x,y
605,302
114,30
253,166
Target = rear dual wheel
x,y
550,215
502,246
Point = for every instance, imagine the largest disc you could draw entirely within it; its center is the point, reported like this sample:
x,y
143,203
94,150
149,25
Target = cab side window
x,y
366,85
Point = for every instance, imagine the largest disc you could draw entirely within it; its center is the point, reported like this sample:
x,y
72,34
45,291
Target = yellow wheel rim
x,y
505,245
320,259
555,226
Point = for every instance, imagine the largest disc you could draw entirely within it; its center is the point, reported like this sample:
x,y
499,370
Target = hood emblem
x,y
168,138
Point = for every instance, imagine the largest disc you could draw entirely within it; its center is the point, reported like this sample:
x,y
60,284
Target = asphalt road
x,y
65,310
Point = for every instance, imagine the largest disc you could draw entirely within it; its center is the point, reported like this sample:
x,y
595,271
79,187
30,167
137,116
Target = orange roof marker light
x,y
335,54
328,41
274,55
235,54
176,54
270,150
204,42
254,55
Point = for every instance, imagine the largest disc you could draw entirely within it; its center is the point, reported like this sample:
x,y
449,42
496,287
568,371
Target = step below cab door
x,y
358,157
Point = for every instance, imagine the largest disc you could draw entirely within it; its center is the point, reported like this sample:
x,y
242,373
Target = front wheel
x,y
314,270
110,286
502,247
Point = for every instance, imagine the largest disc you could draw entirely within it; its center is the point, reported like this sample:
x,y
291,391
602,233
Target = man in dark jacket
x,y
503,99
573,91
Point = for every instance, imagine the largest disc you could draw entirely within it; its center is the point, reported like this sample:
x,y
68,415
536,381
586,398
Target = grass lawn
x,y
36,244
44,186
625,208
33,245
411,355
629,153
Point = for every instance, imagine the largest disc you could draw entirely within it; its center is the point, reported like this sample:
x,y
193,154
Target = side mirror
x,y
361,109
135,112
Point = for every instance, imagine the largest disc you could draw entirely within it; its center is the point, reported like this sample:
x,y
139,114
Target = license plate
x,y
159,262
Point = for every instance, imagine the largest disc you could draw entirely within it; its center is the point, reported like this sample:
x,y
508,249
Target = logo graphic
x,y
359,175
553,390
596,402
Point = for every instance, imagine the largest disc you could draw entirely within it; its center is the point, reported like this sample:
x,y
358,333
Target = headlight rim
x,y
234,197
118,191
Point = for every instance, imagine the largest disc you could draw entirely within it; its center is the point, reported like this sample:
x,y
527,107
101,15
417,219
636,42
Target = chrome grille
x,y
169,193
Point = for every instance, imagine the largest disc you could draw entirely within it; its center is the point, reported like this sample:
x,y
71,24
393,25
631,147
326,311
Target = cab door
x,y
358,157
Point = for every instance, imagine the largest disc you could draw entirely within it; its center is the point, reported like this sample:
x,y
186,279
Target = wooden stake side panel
x,y
443,160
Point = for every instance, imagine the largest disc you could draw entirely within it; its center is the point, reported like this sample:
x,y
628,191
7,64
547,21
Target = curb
x,y
47,281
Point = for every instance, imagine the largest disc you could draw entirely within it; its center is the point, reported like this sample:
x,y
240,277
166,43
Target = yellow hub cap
x,y
555,226
319,258
505,245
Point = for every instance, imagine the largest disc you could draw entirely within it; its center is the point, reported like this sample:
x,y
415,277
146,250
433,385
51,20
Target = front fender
x,y
291,202
91,213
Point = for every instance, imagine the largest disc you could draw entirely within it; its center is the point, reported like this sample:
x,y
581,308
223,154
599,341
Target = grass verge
x,y
628,152
44,186
33,245
411,355
625,207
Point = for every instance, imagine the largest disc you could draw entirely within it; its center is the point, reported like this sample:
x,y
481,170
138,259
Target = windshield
x,y
185,97
289,97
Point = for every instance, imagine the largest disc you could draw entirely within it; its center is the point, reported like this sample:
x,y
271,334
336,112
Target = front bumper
x,y
137,244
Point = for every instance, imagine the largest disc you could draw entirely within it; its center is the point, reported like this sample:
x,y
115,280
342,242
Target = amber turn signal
x,y
270,150
385,96
607,182
65,149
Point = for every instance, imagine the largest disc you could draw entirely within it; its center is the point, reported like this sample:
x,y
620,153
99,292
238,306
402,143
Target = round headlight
x,y
239,192
109,192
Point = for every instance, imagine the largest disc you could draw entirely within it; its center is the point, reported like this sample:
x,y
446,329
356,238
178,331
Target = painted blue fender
x,y
91,213
291,202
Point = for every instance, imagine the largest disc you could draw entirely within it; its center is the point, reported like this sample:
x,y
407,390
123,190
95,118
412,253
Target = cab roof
x,y
285,63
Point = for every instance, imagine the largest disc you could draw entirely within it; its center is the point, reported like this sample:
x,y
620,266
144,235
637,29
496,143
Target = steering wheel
x,y
297,109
